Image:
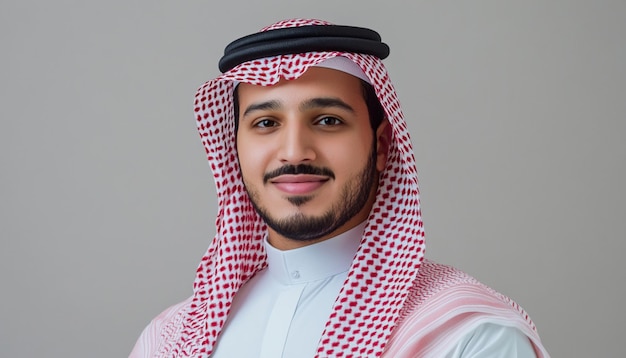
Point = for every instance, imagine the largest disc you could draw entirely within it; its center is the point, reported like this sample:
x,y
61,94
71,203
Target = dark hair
x,y
375,110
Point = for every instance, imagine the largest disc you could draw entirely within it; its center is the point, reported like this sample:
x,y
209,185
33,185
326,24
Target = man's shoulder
x,y
434,273
444,305
446,284
162,328
433,278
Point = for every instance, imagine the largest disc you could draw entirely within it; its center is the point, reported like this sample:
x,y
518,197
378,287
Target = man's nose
x,y
296,144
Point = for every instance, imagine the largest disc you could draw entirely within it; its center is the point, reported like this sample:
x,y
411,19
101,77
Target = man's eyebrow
x,y
325,102
261,106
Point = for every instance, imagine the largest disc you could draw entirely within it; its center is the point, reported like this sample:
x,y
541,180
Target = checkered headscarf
x,y
391,250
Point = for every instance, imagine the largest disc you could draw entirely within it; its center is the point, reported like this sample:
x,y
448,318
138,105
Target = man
x,y
319,245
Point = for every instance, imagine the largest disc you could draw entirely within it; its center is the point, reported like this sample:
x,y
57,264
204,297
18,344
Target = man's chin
x,y
302,227
299,200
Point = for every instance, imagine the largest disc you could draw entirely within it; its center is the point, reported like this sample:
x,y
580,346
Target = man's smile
x,y
299,184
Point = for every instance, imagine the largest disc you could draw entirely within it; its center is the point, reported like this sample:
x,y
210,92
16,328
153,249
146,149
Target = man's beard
x,y
300,227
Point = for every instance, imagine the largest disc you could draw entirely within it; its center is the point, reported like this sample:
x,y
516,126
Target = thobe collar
x,y
314,262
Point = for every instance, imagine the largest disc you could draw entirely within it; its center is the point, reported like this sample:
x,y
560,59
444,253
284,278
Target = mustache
x,y
298,169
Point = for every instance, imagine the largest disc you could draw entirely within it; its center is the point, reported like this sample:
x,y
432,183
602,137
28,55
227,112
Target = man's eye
x,y
265,123
329,121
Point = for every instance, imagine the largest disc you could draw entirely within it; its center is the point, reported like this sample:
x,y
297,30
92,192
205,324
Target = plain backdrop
x,y
107,202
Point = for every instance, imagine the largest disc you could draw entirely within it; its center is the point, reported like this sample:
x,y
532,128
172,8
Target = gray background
x,y
107,203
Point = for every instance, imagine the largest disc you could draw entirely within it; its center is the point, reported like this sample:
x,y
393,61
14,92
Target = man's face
x,y
308,156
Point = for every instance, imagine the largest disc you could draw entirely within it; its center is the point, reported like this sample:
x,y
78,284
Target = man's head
x,y
309,150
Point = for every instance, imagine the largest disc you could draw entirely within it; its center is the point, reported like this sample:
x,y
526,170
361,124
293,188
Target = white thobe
x,y
282,310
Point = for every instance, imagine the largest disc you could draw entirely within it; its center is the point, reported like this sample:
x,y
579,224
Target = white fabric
x,y
342,64
282,310
493,341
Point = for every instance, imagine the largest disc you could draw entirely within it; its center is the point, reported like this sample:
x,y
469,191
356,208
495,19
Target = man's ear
x,y
383,142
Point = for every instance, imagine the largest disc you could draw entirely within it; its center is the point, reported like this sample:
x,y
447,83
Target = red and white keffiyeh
x,y
382,297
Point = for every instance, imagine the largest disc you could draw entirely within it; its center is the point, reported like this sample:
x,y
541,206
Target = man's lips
x,y
300,184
